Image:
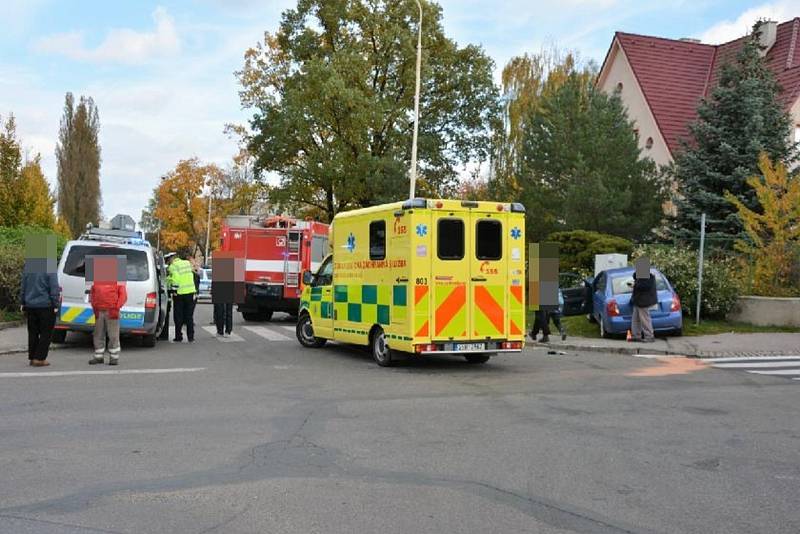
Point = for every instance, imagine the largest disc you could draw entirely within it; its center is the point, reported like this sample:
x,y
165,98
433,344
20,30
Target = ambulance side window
x,y
325,274
489,240
377,240
450,239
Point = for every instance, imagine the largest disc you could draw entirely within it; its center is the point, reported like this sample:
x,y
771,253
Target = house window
x,y
649,143
619,87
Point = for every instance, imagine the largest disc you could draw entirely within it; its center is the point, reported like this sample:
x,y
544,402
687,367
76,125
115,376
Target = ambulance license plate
x,y
466,347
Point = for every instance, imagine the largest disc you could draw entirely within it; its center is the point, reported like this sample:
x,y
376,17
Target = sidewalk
x,y
15,340
716,346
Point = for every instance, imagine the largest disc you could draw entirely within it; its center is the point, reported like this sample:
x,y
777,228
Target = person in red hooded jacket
x,y
107,296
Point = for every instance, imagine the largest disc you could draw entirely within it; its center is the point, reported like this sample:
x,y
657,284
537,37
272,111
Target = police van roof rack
x,y
122,231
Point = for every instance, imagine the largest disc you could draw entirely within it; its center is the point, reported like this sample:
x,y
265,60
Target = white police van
x,y
144,313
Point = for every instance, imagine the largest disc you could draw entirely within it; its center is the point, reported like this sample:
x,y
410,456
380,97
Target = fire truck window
x,y
377,240
489,240
450,239
319,247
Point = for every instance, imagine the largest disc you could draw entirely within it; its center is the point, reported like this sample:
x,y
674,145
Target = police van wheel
x,y
381,352
477,358
149,340
265,315
305,333
59,336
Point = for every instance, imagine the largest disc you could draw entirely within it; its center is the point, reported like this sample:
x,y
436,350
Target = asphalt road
x,y
265,436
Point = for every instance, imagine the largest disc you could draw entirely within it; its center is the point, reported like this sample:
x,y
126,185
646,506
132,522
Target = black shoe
x,y
95,361
563,334
545,339
177,340
113,361
191,340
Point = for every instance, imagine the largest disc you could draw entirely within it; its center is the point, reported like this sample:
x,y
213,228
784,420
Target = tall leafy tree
x,y
25,196
742,118
333,94
78,158
581,166
525,82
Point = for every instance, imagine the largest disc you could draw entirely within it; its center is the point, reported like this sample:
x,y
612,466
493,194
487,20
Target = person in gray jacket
x,y
39,297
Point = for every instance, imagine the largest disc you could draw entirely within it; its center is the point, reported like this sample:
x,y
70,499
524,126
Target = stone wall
x,y
767,311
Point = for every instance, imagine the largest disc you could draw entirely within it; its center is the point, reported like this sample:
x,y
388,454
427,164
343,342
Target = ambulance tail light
x,y
150,301
428,347
511,345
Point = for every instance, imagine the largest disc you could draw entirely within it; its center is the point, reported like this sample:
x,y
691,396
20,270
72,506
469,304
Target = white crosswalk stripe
x,y
267,333
289,327
233,338
785,366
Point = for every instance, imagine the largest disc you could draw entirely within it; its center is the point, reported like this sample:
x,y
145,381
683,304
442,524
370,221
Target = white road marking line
x,y
231,339
108,372
757,365
780,372
289,328
751,359
267,333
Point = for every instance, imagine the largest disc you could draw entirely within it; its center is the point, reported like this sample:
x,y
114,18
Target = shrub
x,y
721,284
12,260
577,248
15,236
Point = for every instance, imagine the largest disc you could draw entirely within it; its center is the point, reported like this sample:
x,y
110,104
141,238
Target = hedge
x,y
577,248
12,260
721,281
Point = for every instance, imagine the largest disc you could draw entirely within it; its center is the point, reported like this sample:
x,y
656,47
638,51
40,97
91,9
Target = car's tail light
x,y
150,301
676,303
612,308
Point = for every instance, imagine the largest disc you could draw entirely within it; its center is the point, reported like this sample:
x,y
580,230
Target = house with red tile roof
x,y
661,81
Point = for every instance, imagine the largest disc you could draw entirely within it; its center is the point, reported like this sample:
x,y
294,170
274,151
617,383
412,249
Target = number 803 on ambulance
x,y
421,277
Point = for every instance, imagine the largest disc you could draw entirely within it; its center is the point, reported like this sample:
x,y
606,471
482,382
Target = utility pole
x,y
700,268
412,190
208,226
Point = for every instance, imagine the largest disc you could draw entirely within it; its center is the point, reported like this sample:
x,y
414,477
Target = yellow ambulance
x,y
421,277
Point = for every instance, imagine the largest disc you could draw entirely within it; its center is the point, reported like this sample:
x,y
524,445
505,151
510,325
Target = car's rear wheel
x,y
678,332
305,333
381,352
149,340
477,358
59,336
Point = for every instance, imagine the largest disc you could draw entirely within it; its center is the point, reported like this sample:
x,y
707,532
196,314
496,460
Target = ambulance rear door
x,y
488,274
450,274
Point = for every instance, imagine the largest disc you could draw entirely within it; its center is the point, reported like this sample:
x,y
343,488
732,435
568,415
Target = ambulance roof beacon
x,y
421,277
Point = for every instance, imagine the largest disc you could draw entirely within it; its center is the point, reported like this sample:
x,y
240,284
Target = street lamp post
x,y
412,190
208,227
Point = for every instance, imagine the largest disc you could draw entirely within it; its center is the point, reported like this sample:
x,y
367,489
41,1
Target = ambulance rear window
x,y
377,240
450,239
489,240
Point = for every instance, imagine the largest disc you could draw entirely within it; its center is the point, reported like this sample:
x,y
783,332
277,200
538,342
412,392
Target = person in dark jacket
x,y
644,296
39,297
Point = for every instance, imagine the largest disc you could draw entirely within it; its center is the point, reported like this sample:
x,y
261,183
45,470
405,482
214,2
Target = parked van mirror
x,y
308,278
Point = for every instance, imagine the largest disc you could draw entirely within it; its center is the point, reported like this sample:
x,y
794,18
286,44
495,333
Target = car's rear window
x,y
137,265
619,284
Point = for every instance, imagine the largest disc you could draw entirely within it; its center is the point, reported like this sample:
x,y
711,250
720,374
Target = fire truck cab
x,y
277,250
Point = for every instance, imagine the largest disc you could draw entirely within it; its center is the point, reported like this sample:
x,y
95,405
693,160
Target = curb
x,y
635,351
21,350
10,324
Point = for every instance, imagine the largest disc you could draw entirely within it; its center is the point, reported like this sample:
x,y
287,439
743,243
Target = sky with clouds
x,y
161,72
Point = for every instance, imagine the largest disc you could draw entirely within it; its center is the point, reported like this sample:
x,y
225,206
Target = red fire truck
x,y
277,250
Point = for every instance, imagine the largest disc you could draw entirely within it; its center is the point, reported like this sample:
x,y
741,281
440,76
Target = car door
x,y
322,300
450,270
488,276
599,295
575,293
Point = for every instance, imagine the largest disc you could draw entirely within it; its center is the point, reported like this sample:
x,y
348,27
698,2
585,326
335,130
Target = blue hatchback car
x,y
611,303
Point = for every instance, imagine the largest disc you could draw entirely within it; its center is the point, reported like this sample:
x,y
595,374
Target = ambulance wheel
x,y
477,358
381,352
59,336
305,333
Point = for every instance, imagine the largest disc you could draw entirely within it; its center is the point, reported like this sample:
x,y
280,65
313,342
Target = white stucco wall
x,y
618,70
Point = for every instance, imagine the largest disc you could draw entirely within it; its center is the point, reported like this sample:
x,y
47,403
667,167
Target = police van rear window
x,y
489,240
450,239
137,268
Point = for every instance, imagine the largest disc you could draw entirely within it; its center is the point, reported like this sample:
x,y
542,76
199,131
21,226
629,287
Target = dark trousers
x,y
223,317
183,314
542,322
40,330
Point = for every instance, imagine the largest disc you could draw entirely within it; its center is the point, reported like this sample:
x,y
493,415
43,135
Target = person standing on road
x,y
227,289
181,280
39,296
107,295
644,296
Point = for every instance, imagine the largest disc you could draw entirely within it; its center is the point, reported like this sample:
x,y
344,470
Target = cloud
x,y
728,30
121,45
